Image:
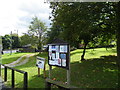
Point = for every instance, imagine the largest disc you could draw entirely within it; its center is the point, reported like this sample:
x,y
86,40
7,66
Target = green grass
x,y
98,71
7,58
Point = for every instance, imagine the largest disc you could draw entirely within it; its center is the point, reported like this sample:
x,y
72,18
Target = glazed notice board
x,y
58,55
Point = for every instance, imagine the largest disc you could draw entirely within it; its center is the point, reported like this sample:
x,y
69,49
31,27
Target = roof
x,y
58,41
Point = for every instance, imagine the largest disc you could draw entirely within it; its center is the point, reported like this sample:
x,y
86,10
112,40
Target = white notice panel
x,y
40,62
63,48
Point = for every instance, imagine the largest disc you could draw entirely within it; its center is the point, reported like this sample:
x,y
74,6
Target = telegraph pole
x,y
11,44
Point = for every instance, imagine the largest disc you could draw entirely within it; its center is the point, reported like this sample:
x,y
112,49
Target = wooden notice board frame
x,y
61,57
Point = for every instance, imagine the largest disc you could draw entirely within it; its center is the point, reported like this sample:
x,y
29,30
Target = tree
x,y
28,39
15,41
118,33
6,41
37,28
54,33
84,21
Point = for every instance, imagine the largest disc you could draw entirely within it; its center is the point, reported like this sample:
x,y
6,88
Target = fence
x,y
25,85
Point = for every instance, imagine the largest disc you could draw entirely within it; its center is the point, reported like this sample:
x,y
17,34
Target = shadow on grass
x,y
9,60
78,52
92,73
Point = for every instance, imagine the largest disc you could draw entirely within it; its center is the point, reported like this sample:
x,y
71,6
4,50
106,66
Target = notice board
x,y
58,55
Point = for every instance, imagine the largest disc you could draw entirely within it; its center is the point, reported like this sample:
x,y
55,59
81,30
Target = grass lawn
x,y
98,71
7,58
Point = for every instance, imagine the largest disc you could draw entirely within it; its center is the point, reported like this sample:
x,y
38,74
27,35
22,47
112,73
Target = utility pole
x,y
11,44
17,38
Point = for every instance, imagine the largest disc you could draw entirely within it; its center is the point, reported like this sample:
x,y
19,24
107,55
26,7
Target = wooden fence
x,y
25,85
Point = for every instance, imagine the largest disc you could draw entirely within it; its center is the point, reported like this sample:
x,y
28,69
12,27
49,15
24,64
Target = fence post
x,y
25,80
5,74
50,71
13,79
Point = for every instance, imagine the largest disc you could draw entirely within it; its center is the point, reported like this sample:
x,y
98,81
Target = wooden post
x,y
50,70
25,80
5,74
68,70
13,79
38,72
44,71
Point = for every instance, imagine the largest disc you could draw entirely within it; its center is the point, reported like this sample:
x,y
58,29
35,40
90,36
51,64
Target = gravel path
x,y
18,63
25,60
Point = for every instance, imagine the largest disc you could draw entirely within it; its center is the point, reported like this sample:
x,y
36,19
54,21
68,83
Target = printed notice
x,y
59,62
50,48
57,55
53,55
63,56
63,48
53,48
63,62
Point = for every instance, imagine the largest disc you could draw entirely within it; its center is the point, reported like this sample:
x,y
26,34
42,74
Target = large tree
x,y
84,21
15,41
37,28
6,41
118,33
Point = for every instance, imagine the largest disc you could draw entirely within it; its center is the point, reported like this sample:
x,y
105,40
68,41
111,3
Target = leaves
x,y
38,28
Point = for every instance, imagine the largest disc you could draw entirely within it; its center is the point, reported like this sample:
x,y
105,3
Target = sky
x,y
17,15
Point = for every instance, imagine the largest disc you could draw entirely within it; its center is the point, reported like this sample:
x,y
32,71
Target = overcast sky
x,y
17,14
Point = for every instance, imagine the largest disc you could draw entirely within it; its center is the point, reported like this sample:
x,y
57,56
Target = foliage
x,y
15,41
29,39
7,40
84,21
38,28
118,33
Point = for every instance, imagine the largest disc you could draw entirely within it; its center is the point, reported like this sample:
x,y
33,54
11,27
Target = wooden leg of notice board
x,y
44,73
44,69
38,72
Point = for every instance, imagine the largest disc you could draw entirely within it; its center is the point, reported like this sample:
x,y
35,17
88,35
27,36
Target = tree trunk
x,y
40,41
118,34
82,57
106,48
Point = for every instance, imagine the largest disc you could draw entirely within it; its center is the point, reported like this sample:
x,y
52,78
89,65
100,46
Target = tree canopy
x,y
13,39
38,28
87,22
